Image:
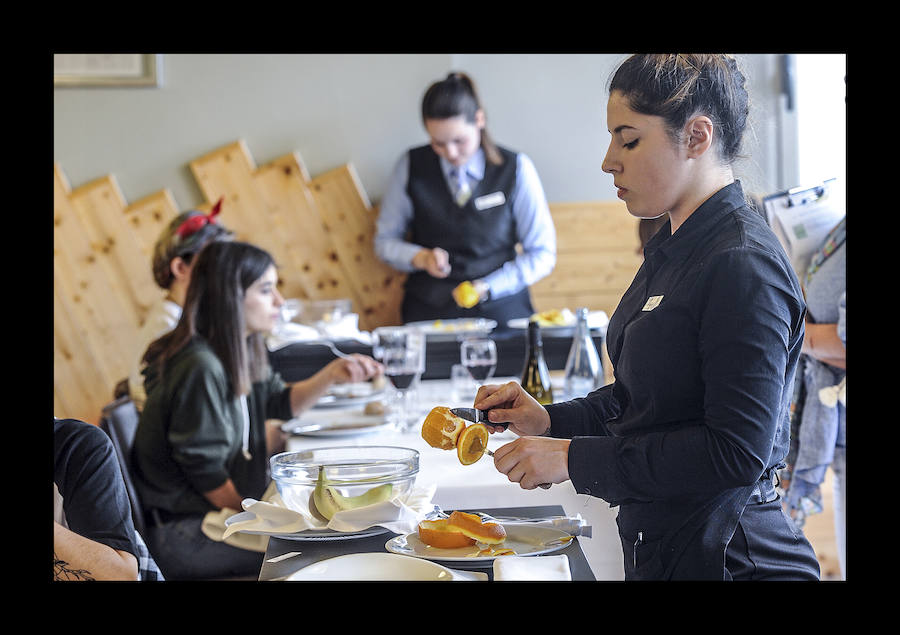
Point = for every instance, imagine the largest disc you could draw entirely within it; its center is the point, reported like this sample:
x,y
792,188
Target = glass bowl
x,y
326,311
356,473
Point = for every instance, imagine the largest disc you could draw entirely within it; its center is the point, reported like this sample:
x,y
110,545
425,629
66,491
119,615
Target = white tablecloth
x,y
481,485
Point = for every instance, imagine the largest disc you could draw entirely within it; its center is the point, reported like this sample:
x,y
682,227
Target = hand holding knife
x,y
481,416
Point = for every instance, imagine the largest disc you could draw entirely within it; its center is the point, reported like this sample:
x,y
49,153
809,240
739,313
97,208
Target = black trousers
x,y
767,546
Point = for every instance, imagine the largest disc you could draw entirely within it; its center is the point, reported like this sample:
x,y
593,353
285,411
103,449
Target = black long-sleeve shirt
x,y
704,344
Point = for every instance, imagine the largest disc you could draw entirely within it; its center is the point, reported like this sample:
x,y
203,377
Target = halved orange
x,y
440,534
472,443
441,428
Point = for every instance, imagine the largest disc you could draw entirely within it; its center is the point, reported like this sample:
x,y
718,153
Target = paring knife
x,y
480,416
476,416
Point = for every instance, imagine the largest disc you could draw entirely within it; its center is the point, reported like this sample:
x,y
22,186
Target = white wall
x,y
364,109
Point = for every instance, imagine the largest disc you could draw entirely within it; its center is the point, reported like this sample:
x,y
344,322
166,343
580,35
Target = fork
x,y
437,512
334,349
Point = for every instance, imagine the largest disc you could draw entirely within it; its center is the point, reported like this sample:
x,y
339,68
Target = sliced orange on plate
x,y
472,443
443,535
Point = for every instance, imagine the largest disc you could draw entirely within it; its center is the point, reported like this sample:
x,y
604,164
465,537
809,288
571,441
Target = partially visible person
x,y
688,438
93,531
173,254
201,442
819,406
454,212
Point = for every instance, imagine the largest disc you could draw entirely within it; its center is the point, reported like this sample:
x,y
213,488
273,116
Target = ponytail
x,y
456,96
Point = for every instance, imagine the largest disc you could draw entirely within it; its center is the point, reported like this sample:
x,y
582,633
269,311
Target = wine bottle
x,y
535,374
584,372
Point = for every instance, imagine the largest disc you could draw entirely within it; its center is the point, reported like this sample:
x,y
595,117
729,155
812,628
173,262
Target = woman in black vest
x,y
456,209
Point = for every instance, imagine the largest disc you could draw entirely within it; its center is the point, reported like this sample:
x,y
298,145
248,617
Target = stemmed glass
x,y
479,356
402,351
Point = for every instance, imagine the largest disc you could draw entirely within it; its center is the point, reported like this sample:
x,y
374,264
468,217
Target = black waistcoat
x,y
479,236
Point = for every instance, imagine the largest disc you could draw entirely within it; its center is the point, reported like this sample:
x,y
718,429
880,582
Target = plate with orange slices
x,y
521,540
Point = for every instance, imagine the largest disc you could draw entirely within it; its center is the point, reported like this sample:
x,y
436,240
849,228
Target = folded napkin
x,y
272,516
213,526
508,568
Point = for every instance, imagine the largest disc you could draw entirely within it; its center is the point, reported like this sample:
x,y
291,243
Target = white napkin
x,y
272,516
213,526
532,568
831,395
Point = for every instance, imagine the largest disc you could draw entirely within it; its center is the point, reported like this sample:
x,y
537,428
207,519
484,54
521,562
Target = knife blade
x,y
476,416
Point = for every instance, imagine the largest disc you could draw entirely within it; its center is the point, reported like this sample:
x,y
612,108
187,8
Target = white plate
x,y
373,566
307,535
454,328
525,540
597,320
332,423
346,395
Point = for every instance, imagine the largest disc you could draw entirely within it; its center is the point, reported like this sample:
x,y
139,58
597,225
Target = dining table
x,y
595,555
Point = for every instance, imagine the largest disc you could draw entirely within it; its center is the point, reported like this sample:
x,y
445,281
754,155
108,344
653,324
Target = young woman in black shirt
x,y
687,439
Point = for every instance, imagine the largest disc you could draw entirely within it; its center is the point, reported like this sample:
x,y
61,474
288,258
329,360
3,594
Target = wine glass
x,y
402,351
479,356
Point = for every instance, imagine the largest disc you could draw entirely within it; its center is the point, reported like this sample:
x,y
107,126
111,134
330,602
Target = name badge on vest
x,y
652,302
489,200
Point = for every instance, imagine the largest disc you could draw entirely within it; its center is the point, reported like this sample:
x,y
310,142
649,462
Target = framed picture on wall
x,y
107,69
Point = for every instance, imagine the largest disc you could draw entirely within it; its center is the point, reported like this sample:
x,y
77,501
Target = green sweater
x,y
191,432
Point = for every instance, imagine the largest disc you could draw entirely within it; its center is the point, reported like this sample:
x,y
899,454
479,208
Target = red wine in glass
x,y
480,371
401,380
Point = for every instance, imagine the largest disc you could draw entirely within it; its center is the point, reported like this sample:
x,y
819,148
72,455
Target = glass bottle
x,y
535,374
584,371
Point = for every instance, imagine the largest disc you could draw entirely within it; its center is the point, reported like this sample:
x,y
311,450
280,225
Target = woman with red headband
x,y
173,253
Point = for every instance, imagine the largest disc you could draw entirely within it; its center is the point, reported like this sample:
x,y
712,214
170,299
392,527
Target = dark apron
x,y
687,538
684,539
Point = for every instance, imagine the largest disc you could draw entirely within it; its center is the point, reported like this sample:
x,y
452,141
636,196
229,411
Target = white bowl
x,y
373,567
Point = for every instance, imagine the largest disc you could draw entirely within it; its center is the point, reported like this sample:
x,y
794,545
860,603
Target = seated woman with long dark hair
x,y
201,442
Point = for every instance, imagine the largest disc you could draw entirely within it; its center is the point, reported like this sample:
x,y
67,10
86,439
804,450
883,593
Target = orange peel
x,y
443,535
472,526
442,428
